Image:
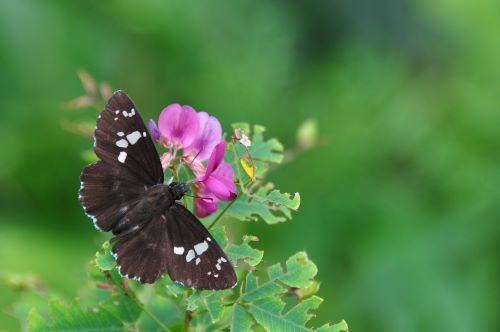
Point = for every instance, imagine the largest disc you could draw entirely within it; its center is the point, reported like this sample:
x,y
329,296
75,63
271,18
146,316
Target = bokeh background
x,y
400,202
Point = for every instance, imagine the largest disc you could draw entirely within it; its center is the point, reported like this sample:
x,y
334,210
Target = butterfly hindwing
x,y
177,243
108,193
202,263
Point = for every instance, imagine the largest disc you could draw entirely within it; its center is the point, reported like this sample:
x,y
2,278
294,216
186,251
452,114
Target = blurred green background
x,y
400,204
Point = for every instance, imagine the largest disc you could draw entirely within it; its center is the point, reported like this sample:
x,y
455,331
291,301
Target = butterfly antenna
x,y
194,158
208,198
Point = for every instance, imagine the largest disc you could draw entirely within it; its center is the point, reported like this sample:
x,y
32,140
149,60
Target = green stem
x,y
188,316
236,164
223,212
137,302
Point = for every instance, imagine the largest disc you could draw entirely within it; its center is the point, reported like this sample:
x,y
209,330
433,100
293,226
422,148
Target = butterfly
x,y
124,192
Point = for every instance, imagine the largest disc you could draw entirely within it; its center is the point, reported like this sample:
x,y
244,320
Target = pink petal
x,y
179,125
220,188
209,135
216,158
153,130
204,207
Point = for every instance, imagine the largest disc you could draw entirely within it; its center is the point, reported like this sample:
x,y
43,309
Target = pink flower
x,y
178,125
198,137
216,184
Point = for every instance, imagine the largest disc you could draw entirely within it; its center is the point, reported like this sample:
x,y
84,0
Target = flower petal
x,y
204,207
179,125
216,158
153,130
209,135
220,188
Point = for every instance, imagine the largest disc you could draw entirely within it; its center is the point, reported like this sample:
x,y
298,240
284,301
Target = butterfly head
x,y
178,189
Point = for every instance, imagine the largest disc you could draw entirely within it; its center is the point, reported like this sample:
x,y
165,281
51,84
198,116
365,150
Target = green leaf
x,y
241,320
122,307
71,317
219,234
254,291
268,312
339,327
263,152
268,204
268,151
243,252
165,309
299,273
104,259
213,302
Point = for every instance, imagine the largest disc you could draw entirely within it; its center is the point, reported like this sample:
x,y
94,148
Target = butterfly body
x,y
124,193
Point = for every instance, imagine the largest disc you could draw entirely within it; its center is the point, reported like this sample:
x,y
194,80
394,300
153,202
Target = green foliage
x,y
71,317
282,300
103,258
267,204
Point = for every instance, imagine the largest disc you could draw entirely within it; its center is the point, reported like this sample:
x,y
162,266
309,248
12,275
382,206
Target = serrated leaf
x,y
245,252
71,317
165,309
245,127
263,152
213,302
219,234
299,273
268,151
122,307
241,320
255,291
339,327
104,259
174,288
268,204
268,313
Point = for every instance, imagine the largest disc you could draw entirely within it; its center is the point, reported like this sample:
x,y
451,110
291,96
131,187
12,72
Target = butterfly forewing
x,y
122,140
129,164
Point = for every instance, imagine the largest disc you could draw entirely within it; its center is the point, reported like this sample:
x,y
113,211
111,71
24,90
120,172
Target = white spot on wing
x,y
217,266
120,133
222,259
117,111
178,250
144,134
116,119
200,248
190,255
198,260
209,239
209,273
134,137
122,143
122,156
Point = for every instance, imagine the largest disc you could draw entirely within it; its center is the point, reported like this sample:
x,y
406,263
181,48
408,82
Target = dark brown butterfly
x,y
124,192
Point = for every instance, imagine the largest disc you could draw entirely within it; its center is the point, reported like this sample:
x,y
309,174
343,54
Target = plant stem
x,y
223,212
188,316
137,302
240,178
